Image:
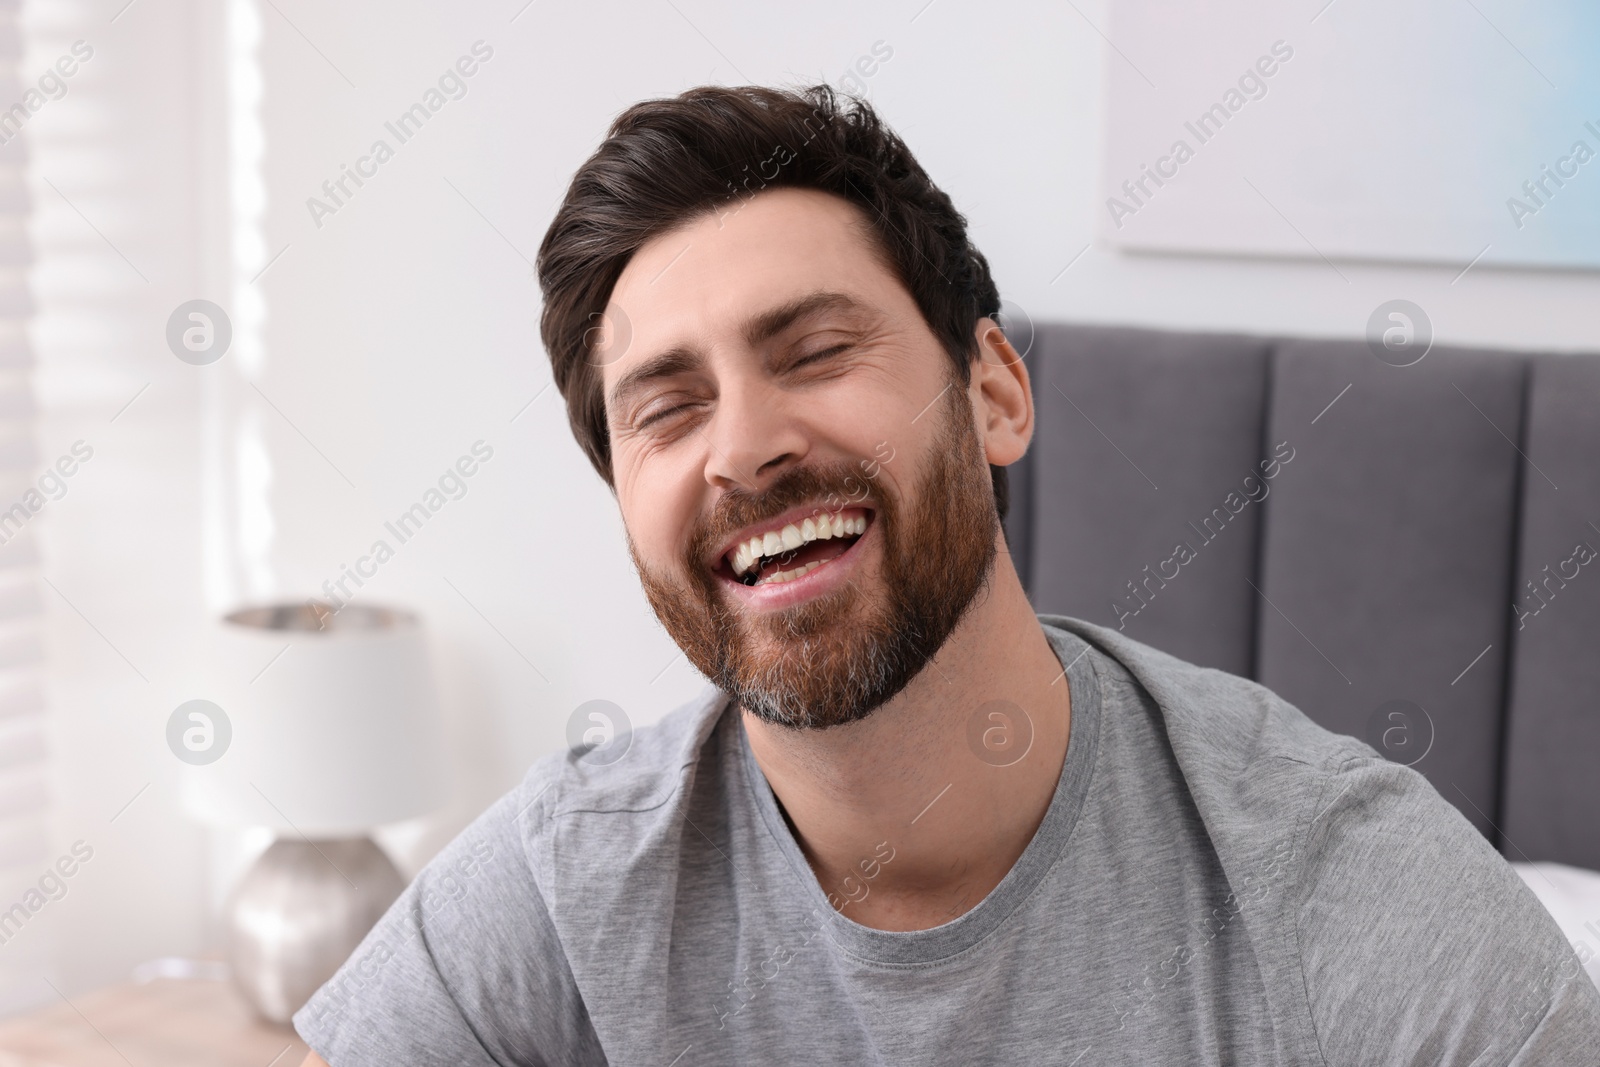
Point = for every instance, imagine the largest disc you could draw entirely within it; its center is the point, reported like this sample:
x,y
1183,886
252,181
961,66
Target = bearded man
x,y
912,822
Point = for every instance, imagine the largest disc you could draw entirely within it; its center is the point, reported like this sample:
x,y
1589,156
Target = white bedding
x,y
1572,896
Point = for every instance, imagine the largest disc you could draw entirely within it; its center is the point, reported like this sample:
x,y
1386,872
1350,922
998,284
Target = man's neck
x,y
904,824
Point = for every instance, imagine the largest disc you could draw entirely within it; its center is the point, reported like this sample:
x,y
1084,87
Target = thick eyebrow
x,y
758,329
675,360
768,324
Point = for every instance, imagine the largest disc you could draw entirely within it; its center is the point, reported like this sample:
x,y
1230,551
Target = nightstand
x,y
162,1023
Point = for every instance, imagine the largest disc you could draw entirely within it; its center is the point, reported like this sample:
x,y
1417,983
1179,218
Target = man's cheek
x,y
658,537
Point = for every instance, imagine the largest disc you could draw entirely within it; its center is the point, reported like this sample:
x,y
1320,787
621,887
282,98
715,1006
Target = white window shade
x,y
24,747
111,215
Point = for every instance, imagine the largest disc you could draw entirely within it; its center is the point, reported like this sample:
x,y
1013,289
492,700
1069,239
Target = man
x,y
913,823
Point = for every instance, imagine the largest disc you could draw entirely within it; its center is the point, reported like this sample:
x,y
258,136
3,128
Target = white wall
x,y
405,328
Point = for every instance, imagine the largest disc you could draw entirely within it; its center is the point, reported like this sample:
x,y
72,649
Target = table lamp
x,y
327,725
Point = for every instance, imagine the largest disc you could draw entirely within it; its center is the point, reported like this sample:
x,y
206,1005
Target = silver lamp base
x,y
299,912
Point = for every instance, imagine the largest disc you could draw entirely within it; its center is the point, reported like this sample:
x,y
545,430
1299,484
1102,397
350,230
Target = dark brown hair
x,y
666,161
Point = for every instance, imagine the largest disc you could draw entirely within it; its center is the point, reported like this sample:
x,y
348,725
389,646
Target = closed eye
x,y
817,357
665,411
656,416
668,410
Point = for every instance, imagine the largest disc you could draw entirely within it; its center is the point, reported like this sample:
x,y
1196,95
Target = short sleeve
x,y
465,969
1420,945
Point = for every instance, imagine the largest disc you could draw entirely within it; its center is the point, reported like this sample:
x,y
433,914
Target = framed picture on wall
x,y
1416,130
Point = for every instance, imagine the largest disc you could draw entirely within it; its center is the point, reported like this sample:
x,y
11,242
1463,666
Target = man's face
x,y
805,493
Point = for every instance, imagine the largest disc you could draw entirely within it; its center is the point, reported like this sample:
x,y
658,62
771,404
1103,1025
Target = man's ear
x,y
1002,396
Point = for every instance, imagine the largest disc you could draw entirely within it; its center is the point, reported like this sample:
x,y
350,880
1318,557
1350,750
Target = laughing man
x,y
913,822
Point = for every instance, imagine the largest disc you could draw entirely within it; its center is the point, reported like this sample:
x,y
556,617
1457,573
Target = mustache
x,y
830,485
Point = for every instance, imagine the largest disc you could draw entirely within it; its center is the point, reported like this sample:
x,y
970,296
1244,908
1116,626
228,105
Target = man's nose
x,y
753,436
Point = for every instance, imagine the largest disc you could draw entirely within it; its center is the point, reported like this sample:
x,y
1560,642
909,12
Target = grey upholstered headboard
x,y
1407,554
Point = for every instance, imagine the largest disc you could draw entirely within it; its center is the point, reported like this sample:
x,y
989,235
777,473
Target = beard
x,y
838,657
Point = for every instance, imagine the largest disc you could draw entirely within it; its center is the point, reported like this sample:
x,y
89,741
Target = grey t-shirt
x,y
1216,881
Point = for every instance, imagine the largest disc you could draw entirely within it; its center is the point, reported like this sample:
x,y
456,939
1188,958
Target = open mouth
x,y
787,550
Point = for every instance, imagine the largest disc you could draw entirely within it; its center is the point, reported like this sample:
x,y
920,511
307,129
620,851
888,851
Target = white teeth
x,y
818,528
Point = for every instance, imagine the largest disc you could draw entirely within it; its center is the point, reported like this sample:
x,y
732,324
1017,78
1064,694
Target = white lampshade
x,y
333,718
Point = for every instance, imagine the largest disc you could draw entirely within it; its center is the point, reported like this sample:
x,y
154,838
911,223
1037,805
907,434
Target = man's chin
x,y
814,684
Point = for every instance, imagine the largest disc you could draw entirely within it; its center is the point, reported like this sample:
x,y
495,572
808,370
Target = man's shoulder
x,y
613,768
1259,770
603,796
1216,721
1376,907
